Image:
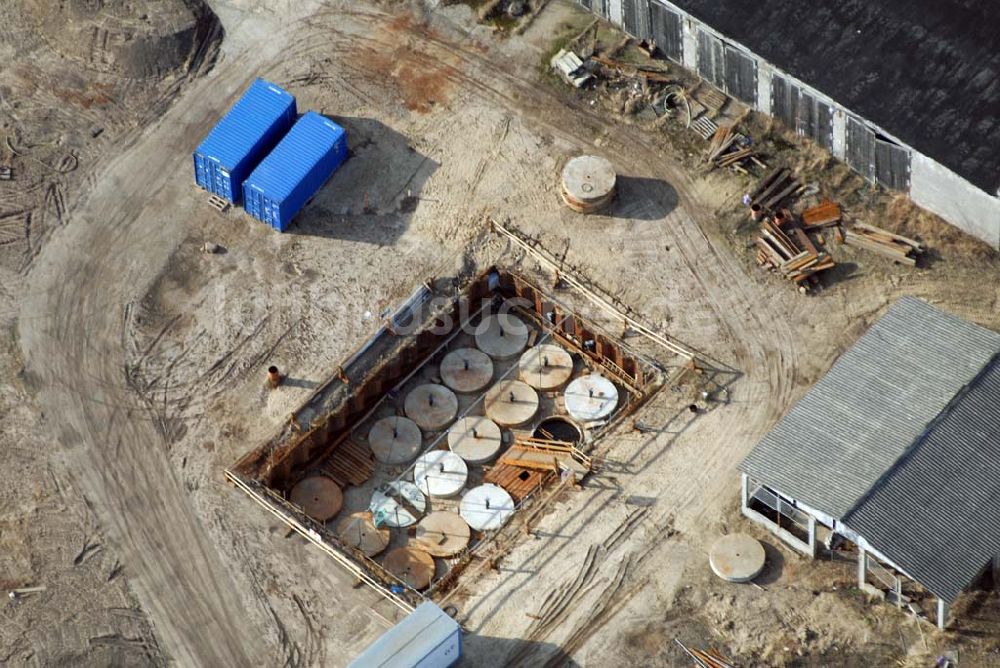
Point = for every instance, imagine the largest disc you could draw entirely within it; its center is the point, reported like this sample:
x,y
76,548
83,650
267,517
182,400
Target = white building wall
x,y
764,73
690,44
839,149
938,189
615,13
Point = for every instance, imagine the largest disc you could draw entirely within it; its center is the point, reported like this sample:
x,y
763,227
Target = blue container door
x,y
262,207
223,185
200,172
210,175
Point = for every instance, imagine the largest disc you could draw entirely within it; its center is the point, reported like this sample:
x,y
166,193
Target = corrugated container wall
x,y
295,170
245,134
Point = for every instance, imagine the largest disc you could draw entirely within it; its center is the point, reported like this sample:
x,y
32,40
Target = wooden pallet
x,y
6,174
350,463
519,482
218,203
712,98
704,126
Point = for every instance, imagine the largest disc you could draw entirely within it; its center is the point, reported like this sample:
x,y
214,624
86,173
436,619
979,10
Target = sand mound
x,y
133,39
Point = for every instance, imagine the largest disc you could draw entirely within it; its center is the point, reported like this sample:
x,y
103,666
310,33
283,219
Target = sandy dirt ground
x,y
136,361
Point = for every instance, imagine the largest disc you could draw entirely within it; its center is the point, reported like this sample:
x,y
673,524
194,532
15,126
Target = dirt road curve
x,y
71,334
71,331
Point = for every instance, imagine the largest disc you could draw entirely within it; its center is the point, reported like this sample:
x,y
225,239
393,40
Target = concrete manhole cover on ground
x,y
431,406
319,497
395,440
397,504
466,370
591,397
487,507
546,367
501,336
412,566
737,558
442,534
358,530
510,403
440,473
475,439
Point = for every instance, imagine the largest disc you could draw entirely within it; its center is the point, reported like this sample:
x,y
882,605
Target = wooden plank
x,y
783,176
804,241
774,201
881,249
768,180
916,245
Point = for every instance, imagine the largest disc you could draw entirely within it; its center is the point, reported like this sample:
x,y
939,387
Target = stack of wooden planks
x,y
778,186
726,150
893,246
709,97
787,248
705,658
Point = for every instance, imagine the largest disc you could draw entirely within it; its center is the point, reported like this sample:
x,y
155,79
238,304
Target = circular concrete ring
x,y
737,558
431,406
466,370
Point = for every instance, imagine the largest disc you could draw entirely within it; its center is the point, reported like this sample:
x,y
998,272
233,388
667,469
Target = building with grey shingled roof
x,y
896,448
905,92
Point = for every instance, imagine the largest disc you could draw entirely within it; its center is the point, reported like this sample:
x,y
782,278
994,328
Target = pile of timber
x,y
893,246
778,186
614,68
727,150
705,658
784,246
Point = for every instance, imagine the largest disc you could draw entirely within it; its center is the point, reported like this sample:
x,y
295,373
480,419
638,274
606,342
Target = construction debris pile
x,y
651,89
790,245
729,148
710,658
783,243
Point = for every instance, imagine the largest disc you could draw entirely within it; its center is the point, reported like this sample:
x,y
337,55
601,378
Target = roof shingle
x,y
901,441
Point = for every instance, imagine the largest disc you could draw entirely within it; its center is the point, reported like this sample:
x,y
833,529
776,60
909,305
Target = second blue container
x,y
295,170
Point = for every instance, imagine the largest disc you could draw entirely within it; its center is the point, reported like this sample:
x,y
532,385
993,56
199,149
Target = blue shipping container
x,y
295,170
244,135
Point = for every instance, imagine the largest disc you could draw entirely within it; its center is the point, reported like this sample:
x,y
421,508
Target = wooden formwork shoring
x,y
536,251
639,376
366,570
326,432
363,403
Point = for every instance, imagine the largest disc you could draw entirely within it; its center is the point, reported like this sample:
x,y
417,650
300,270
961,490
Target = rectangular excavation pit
x,y
328,435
